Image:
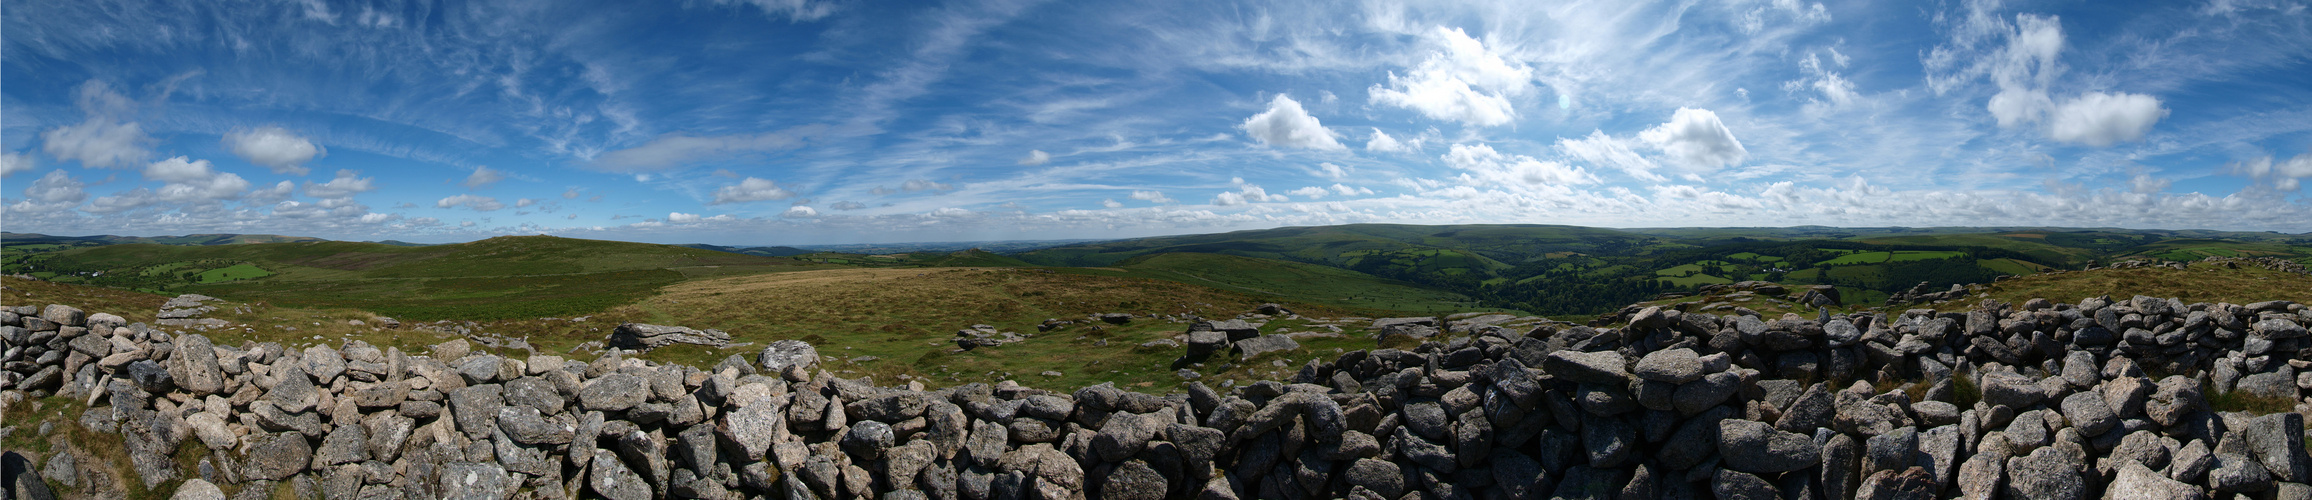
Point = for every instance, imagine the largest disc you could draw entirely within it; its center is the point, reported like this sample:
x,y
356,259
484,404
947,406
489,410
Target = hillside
x,y
512,276
1574,270
1288,281
1769,378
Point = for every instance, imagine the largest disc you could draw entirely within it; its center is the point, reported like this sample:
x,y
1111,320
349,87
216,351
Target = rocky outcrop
x,y
1673,405
642,337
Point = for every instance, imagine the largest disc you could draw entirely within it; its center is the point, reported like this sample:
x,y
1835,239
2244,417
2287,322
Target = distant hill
x,y
507,276
1582,270
762,251
190,239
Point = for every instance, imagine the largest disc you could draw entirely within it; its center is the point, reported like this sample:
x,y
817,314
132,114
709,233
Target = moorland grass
x,y
2199,282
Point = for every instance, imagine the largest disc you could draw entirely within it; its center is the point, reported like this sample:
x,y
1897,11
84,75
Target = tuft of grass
x,y
1964,392
2243,401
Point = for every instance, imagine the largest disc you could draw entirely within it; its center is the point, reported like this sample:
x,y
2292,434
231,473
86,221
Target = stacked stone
x,y
1674,405
644,337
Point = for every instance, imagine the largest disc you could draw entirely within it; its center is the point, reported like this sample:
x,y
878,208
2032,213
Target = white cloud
x,y
1350,191
524,202
1311,192
1247,193
799,211
1461,81
1695,138
2099,119
477,203
483,177
2280,175
1036,157
1491,166
1331,171
106,139
274,148
679,217
1754,21
347,183
1382,143
913,185
2024,69
750,190
1286,125
1834,91
792,10
571,194
1606,151
11,163
950,212
56,190
675,150
121,202
847,205
279,191
194,181
1111,203
1153,197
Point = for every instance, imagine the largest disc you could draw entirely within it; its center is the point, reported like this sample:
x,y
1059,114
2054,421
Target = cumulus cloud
x,y
1491,166
571,194
1111,203
483,177
675,150
1331,171
55,191
1311,192
1461,81
347,183
524,202
750,190
11,163
1246,193
275,148
2024,69
1695,138
1381,142
1606,151
477,203
1153,197
1286,125
2280,175
194,181
2099,119
799,211
1036,157
106,138
1350,191
950,212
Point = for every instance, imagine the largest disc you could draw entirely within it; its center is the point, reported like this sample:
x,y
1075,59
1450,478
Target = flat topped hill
x,y
503,277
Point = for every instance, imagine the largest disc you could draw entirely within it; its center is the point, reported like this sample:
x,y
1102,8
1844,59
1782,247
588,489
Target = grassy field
x,y
1287,281
1889,256
907,318
497,278
2196,283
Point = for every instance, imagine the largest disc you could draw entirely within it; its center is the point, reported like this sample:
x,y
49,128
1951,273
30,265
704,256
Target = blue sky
x,y
758,122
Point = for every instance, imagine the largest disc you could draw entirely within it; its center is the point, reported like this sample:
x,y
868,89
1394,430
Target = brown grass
x,y
2197,283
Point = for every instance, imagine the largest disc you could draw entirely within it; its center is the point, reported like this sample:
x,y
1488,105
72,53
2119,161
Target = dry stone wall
x,y
2063,403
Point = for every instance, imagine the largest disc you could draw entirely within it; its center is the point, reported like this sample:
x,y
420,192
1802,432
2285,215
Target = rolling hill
x,y
511,276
